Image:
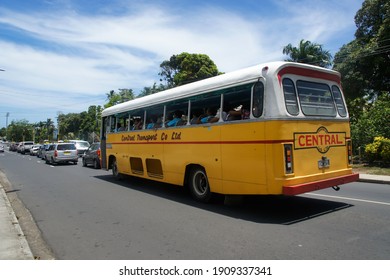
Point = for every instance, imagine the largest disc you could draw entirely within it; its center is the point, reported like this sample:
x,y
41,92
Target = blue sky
x,y
65,55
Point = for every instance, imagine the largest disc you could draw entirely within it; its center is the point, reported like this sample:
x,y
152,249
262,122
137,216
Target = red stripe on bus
x,y
308,73
207,142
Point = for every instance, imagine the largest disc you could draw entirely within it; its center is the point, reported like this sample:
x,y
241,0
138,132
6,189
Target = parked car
x,y
34,150
61,153
92,156
13,146
42,150
25,146
81,146
1,148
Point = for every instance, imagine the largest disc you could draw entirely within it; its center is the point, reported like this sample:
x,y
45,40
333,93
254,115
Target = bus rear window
x,y
316,99
290,97
339,101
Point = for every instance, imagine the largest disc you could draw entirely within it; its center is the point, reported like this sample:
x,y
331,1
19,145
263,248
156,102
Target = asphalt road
x,y
84,213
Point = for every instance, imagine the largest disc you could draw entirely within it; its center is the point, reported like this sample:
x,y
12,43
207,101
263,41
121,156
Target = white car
x,y
1,149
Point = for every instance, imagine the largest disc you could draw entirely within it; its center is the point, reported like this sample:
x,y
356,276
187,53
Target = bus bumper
x,y
318,185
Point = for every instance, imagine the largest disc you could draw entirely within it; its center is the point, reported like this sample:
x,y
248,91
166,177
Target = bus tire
x,y
115,171
199,185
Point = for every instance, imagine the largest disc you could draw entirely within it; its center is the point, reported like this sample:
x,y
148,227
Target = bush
x,y
379,150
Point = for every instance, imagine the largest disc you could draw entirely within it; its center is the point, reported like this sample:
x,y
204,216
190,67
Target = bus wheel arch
x,y
197,182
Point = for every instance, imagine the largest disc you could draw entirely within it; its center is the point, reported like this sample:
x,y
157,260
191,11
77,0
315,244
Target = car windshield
x,y
66,147
82,144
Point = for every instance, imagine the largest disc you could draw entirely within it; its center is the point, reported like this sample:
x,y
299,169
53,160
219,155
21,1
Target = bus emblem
x,y
322,140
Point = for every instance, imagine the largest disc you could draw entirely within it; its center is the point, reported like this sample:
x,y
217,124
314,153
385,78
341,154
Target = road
x,y
84,213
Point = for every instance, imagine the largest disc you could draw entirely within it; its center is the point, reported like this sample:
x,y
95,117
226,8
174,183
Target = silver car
x,y
61,153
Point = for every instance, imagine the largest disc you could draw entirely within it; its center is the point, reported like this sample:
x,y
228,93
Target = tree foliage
x,y
309,53
123,95
363,63
365,74
187,68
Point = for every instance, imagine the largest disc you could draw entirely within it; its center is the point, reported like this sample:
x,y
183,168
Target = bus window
x,y
176,113
315,99
290,97
237,102
154,117
122,122
339,101
112,125
204,108
258,98
137,120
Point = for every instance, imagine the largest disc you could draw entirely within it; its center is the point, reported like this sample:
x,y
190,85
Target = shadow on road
x,y
284,210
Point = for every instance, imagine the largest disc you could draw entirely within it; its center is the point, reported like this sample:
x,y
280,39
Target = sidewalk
x,y
13,243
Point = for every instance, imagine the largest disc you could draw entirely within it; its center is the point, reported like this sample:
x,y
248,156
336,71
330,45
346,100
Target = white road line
x,y
349,198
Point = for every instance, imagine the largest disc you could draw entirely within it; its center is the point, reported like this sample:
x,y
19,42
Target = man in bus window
x,y
217,116
176,118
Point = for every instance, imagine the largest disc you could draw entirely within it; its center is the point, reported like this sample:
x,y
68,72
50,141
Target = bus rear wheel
x,y
199,185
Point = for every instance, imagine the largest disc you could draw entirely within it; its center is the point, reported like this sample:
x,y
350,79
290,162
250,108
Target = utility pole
x,y
6,125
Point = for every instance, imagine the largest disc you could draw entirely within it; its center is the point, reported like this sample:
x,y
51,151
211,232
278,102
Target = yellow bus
x,y
278,128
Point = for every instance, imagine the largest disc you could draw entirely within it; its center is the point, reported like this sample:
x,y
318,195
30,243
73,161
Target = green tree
x,y
187,68
309,53
151,90
122,96
372,122
20,130
91,122
363,63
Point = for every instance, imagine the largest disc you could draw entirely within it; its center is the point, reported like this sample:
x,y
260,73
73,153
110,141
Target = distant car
x,y
1,149
24,147
81,146
42,150
34,150
13,146
61,153
92,156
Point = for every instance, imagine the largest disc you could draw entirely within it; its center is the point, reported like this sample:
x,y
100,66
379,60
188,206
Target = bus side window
x,y
339,101
258,99
237,102
290,97
112,124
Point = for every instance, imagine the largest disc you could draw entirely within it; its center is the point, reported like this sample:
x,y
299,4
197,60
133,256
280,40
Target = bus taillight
x,y
349,152
288,158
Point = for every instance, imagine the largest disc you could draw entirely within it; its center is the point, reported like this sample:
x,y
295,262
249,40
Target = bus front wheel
x,y
199,185
115,171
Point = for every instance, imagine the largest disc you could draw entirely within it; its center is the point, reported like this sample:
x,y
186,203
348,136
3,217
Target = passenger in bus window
x,y
235,114
205,118
217,116
137,124
119,128
195,117
152,122
176,118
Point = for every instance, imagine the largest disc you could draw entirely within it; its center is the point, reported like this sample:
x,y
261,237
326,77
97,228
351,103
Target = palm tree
x,y
308,52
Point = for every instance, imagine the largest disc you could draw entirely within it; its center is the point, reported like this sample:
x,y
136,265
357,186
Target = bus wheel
x,y
199,185
115,171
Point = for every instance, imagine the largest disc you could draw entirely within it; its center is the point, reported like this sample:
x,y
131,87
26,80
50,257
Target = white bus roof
x,y
242,76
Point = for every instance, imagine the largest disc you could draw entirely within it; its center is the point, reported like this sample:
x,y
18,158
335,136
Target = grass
x,y
371,169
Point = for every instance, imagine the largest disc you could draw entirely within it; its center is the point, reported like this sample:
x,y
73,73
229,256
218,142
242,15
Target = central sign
x,y
322,140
